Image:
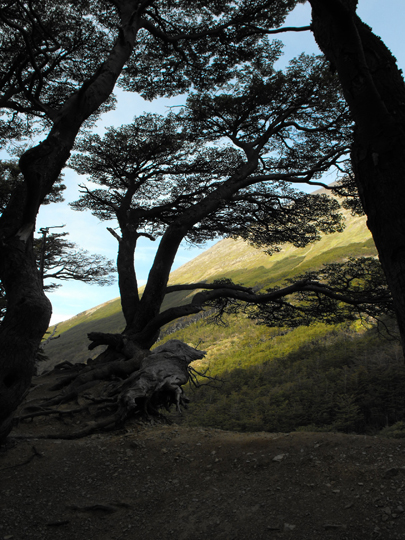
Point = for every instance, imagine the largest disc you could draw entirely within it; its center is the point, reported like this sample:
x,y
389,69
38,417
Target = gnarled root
x,y
143,387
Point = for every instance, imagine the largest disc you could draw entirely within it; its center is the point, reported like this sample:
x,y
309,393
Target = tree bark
x,y
25,322
127,281
375,91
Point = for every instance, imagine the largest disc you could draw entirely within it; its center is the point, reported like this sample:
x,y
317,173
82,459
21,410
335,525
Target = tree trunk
x,y
25,322
143,329
28,309
127,281
375,91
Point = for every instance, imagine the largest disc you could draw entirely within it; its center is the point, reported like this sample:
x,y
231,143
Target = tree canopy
x,y
222,166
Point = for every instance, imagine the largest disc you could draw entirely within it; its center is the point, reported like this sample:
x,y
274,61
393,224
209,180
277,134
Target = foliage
x,y
341,292
60,63
221,167
396,431
339,381
233,258
63,260
52,49
158,167
56,257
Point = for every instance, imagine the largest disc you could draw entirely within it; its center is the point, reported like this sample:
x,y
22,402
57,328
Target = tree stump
x,y
116,391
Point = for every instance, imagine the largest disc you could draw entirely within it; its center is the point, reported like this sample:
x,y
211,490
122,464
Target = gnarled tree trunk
x,y
116,391
375,91
21,331
28,310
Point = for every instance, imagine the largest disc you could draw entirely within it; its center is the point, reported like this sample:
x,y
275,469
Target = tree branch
x,y
116,235
203,285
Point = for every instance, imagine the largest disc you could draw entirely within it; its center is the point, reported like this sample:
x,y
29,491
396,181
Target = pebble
x,y
289,527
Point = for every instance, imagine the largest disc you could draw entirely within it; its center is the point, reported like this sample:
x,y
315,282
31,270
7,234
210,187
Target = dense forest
x,y
343,378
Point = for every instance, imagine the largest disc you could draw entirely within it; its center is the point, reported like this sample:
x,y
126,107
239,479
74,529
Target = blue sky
x,y
386,19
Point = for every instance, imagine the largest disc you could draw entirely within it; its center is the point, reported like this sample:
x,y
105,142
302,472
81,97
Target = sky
x,y
386,18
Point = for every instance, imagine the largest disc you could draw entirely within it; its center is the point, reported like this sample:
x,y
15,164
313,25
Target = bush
x,y
396,431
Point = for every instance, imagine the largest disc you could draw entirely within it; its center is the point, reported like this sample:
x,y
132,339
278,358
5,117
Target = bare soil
x,y
154,482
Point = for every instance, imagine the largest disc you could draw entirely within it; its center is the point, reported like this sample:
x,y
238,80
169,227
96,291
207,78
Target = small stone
x,y
289,527
390,473
279,458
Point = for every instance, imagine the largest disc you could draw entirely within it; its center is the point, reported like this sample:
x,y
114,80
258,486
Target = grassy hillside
x,y
318,378
234,259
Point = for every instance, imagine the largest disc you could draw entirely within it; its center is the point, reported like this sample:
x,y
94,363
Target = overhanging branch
x,y
219,291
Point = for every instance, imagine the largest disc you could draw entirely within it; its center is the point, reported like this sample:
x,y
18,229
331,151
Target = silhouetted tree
x,y
59,64
56,257
159,177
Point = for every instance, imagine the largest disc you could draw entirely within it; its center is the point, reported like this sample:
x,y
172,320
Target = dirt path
x,y
157,482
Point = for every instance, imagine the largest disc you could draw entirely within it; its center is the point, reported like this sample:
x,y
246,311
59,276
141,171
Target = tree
x,y
59,259
59,65
375,92
64,260
159,177
12,180
337,292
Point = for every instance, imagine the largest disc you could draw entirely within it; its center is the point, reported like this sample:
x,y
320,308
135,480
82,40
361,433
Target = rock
x,y
390,473
288,527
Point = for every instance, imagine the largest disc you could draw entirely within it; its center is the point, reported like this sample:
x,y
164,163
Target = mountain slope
x,y
234,259
343,377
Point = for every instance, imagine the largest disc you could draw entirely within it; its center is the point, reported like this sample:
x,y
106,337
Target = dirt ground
x,y
155,482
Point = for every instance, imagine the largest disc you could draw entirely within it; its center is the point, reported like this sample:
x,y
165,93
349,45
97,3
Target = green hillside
x,y
318,378
234,259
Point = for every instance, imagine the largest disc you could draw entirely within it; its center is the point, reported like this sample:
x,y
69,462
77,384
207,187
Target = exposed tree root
x,y
47,412
28,460
122,389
